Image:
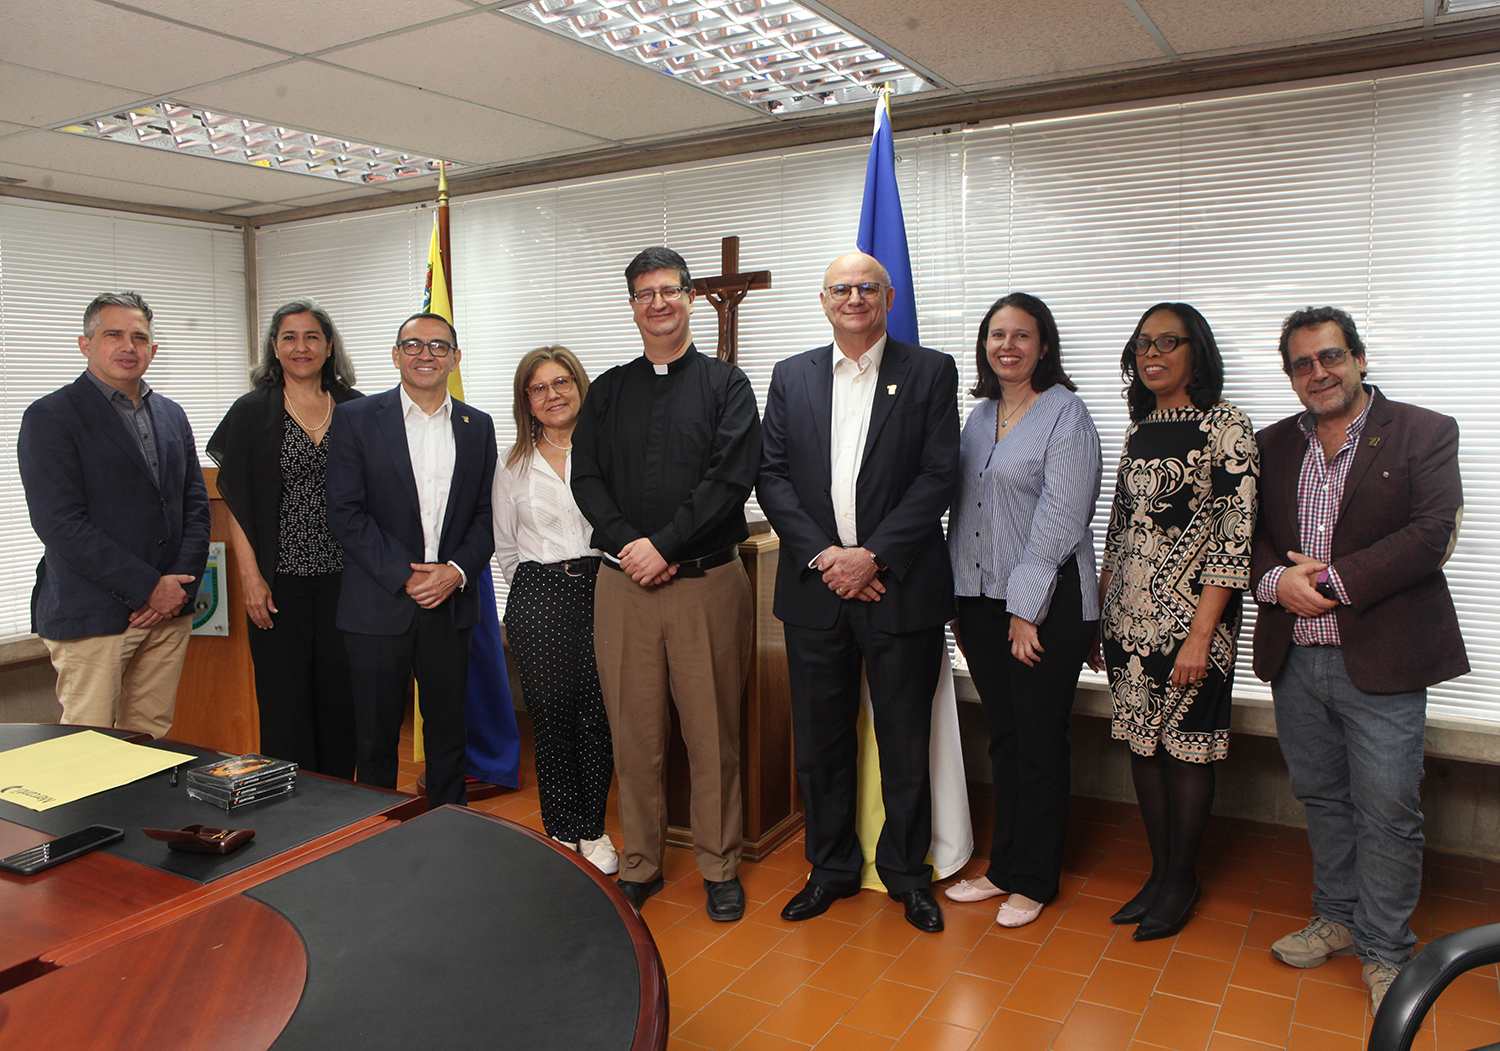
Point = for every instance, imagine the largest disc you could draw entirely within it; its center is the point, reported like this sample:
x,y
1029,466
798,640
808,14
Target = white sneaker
x,y
564,842
601,852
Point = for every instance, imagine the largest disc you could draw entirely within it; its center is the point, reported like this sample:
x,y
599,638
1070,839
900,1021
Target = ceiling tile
x,y
1191,26
102,43
978,43
540,76
114,189
39,100
303,27
317,97
132,165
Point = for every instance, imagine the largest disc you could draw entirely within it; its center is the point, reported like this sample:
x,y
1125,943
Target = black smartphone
x,y
44,855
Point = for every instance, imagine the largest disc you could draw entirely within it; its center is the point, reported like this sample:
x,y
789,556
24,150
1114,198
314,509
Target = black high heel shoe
x,y
1151,928
1131,912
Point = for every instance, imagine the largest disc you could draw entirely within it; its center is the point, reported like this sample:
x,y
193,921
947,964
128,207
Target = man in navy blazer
x,y
116,496
1360,503
409,476
860,462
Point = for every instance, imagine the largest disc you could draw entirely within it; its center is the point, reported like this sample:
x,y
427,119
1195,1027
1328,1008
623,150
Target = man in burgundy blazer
x,y
1360,504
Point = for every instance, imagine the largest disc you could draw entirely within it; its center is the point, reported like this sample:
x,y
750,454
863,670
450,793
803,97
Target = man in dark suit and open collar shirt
x,y
409,478
1360,504
861,460
117,497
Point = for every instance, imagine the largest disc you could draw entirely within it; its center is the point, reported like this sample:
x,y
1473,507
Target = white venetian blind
x,y
54,259
1380,195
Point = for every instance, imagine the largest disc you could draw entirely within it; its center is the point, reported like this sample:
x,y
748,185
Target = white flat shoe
x,y
1010,916
601,852
963,890
564,842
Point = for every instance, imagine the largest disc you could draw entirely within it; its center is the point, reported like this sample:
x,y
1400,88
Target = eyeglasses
x,y
439,347
561,385
671,294
1163,344
1327,358
869,289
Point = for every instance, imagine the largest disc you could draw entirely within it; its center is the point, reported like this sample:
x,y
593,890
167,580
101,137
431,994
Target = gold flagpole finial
x,y
442,182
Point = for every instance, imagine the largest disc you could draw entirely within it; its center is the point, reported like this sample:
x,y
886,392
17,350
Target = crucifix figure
x,y
725,293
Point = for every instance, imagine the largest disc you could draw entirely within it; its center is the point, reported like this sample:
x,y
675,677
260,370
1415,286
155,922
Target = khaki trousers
x,y
127,681
686,642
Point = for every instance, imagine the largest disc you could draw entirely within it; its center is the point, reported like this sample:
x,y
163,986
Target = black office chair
x,y
1423,978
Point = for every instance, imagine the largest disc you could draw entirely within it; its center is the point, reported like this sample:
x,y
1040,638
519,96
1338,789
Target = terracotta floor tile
x,y
850,971
674,1044
763,883
1342,971
817,939
678,945
659,915
1083,861
1114,885
1456,1032
807,1015
1091,1027
693,987
1335,1008
743,943
1240,874
772,978
926,964
927,1034
1130,854
1045,993
1255,1016
1126,949
967,1001
1195,978
1090,914
998,958
887,931
964,927
759,1041
889,1008
1072,951
724,1022
1122,986
1303,1038
1287,899
1214,939
1474,994
847,1038
1258,969
1231,904
1453,914
863,907
1224,1042
1177,1024
1013,1031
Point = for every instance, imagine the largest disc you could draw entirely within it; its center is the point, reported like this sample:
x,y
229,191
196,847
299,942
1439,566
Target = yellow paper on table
x,y
49,773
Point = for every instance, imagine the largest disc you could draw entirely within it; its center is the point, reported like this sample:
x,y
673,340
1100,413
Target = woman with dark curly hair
x,y
272,453
1176,559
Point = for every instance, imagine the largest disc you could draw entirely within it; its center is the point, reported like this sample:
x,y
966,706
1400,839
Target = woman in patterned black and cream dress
x,y
1176,560
542,547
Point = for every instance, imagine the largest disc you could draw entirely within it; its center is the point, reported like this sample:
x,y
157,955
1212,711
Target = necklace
x,y
288,403
554,445
1005,420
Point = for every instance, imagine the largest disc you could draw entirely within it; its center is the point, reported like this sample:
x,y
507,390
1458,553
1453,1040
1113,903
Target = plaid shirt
x,y
1320,490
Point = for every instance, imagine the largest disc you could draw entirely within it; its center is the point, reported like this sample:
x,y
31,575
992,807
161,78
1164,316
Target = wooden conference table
x,y
354,918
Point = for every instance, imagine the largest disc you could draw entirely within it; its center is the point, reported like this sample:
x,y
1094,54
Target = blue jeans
x,y
1355,760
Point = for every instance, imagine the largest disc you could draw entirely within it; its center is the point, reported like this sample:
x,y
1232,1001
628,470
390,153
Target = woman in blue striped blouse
x,y
1023,571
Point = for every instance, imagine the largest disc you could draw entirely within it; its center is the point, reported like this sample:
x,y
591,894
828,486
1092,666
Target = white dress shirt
x,y
429,442
854,384
536,517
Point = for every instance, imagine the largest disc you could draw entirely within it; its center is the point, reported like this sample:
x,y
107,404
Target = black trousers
x,y
302,682
1027,710
902,670
380,667
549,625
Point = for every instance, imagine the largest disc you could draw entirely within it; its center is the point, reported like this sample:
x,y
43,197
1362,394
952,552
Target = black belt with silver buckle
x,y
697,567
586,566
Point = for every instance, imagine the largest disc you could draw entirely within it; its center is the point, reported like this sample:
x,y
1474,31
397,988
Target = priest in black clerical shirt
x,y
665,454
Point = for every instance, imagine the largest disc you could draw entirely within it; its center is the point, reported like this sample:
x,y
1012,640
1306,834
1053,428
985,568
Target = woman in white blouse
x,y
542,546
1023,572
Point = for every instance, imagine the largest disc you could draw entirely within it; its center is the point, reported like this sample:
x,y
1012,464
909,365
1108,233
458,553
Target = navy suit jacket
x,y
374,514
906,481
1398,516
110,530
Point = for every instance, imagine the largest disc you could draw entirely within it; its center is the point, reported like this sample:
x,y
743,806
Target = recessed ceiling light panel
x,y
187,129
774,55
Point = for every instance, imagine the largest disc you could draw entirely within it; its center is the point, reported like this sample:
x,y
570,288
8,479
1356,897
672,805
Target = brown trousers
x,y
686,642
128,681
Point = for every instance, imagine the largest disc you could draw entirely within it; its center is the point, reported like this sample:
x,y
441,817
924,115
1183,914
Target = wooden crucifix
x,y
725,293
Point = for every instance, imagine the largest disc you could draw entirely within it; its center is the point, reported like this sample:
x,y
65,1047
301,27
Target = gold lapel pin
x,y
890,388
1374,443
464,418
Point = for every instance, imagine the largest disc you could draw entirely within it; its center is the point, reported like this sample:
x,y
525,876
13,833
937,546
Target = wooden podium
x,y
768,777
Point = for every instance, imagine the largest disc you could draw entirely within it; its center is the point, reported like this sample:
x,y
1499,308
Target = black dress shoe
x,y
1130,912
1152,928
813,900
637,892
726,899
922,909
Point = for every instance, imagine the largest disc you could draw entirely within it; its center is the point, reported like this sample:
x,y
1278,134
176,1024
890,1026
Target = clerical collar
x,y
676,365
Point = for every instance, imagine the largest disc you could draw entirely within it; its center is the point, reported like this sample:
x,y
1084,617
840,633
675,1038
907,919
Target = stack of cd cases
x,y
230,783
